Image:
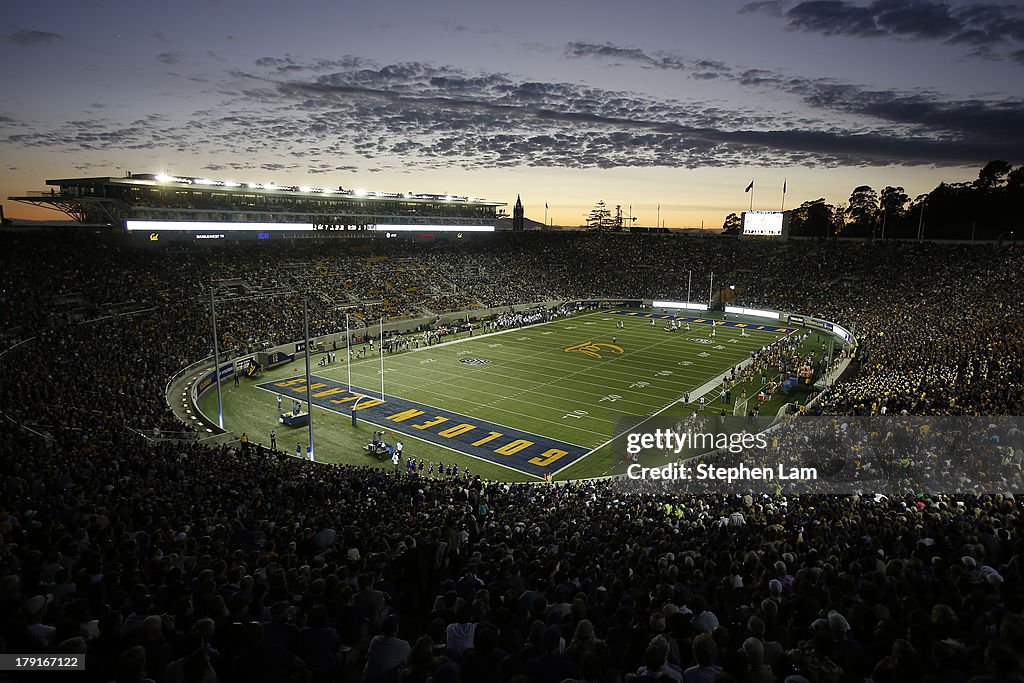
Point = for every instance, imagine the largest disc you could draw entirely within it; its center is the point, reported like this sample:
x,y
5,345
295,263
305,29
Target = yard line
x,y
629,368
702,390
519,389
499,369
495,403
455,401
681,379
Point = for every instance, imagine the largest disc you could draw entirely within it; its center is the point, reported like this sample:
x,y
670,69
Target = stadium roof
x,y
113,200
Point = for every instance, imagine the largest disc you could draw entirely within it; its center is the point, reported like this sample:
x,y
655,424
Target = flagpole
x,y
309,392
348,353
381,345
657,223
545,213
751,195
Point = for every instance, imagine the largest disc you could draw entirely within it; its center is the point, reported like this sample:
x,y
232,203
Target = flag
x,y
783,187
750,186
545,205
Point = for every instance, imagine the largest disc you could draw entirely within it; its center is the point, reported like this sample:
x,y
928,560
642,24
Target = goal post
x,y
742,404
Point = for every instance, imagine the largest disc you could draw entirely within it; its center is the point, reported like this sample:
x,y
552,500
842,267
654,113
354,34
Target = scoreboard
x,y
765,223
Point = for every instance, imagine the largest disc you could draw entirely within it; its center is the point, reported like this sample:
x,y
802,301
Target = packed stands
x,y
173,562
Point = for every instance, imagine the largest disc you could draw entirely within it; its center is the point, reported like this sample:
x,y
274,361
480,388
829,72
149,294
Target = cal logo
x,y
474,361
589,348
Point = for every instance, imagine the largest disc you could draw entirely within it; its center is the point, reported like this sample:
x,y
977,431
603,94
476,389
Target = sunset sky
x,y
669,102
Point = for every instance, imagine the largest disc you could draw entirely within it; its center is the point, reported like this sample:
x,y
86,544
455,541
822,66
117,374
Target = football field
x,y
519,404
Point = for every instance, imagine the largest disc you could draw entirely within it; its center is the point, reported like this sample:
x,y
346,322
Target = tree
x,y
992,176
732,225
862,212
1015,180
600,217
893,201
813,219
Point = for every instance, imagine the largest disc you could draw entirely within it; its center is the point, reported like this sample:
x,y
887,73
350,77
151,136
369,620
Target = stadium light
x,y
448,197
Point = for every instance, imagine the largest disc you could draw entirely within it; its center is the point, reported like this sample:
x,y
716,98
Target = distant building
x,y
517,215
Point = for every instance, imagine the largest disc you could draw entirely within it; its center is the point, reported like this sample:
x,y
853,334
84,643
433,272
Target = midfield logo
x,y
589,348
474,361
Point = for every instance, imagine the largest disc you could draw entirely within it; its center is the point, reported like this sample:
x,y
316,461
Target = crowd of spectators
x,y
170,561
196,564
937,331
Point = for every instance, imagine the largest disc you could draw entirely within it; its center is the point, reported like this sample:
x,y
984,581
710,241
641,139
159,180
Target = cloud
x,y
169,58
418,115
702,69
833,17
987,27
277,167
773,7
501,121
30,38
924,112
291,64
658,60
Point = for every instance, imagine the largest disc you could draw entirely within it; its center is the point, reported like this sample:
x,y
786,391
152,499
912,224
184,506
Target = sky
x,y
668,108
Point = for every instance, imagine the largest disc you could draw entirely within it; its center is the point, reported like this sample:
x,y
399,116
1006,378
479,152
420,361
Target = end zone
x,y
516,449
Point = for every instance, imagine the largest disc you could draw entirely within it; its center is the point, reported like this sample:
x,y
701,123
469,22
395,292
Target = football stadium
x,y
266,433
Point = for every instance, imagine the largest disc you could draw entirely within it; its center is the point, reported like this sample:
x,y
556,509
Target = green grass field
x,y
560,380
